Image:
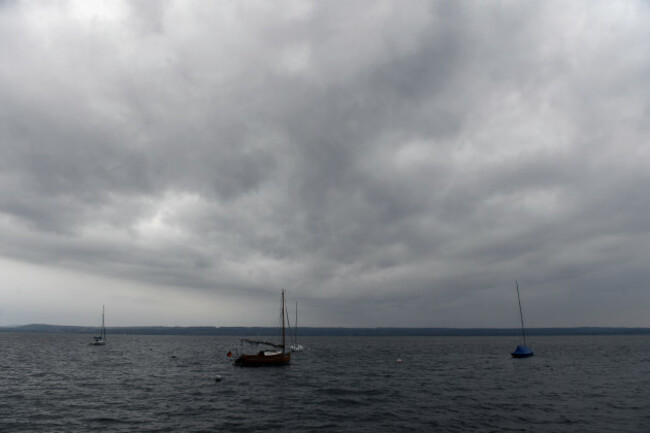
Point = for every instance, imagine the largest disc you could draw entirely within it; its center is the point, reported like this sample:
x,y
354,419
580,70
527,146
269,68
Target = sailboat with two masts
x,y
522,351
267,357
101,340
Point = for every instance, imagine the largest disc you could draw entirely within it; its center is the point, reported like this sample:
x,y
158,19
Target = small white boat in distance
x,y
101,340
295,347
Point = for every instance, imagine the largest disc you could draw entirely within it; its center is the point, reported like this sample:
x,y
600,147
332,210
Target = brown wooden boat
x,y
267,357
264,358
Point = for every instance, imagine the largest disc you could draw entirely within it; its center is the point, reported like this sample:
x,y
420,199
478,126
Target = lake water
x,y
52,383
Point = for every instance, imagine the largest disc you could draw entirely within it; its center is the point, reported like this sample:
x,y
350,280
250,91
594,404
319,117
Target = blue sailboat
x,y
522,351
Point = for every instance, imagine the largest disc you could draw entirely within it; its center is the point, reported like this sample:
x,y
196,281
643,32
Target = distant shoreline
x,y
325,331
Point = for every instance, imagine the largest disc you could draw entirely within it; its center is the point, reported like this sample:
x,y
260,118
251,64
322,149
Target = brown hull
x,y
262,360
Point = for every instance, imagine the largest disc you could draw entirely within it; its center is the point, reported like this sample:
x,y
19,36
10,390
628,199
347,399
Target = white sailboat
x,y
295,347
101,339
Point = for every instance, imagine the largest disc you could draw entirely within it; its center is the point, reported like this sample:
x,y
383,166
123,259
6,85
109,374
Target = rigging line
x,y
521,315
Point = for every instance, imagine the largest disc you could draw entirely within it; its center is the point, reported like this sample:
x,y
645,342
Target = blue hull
x,y
522,352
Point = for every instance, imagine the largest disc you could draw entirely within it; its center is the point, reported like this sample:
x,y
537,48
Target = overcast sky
x,y
388,163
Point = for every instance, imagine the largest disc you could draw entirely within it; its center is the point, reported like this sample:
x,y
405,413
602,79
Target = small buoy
x,y
217,378
399,360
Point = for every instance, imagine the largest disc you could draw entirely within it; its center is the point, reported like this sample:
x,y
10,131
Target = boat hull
x,y
519,355
98,341
263,360
522,352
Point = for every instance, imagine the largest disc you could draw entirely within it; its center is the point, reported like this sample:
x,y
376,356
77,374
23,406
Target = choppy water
x,y
53,383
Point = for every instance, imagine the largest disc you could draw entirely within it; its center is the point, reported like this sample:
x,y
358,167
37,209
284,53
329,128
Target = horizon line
x,y
232,331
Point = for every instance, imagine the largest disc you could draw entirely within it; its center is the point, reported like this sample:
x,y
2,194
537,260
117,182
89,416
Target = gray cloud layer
x,y
388,163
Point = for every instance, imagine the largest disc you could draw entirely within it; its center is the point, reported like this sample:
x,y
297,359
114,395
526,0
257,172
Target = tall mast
x,y
103,329
296,325
521,316
283,336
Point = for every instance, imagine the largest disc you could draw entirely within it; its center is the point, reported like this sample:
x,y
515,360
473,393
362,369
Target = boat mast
x,y
103,333
521,316
283,336
295,330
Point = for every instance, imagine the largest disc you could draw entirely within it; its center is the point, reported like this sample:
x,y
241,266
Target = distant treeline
x,y
325,332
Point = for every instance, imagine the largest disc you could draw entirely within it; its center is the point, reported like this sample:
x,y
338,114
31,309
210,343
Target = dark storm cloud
x,y
388,163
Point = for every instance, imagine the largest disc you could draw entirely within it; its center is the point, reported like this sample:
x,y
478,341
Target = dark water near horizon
x,y
58,383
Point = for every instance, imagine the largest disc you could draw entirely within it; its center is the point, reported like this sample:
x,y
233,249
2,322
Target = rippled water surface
x,y
58,382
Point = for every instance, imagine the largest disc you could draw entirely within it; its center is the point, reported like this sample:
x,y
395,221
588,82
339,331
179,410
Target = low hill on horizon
x,y
323,331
